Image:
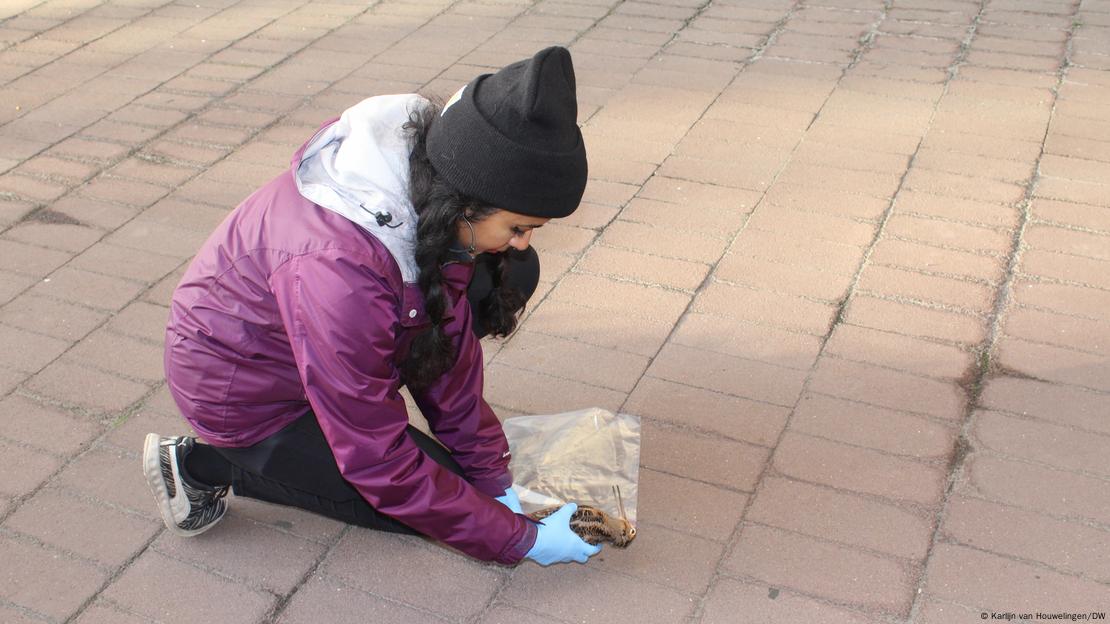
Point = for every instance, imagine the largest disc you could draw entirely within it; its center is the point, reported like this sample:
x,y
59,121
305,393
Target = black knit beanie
x,y
511,139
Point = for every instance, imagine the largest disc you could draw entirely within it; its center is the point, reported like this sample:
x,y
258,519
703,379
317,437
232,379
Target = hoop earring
x,y
473,236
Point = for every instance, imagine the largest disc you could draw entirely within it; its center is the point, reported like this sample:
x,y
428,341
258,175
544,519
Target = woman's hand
x,y
556,543
510,500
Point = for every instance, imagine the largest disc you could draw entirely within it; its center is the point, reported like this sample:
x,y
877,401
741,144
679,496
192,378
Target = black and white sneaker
x,y
187,509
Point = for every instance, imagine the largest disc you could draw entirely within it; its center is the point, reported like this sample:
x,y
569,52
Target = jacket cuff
x,y
494,486
516,554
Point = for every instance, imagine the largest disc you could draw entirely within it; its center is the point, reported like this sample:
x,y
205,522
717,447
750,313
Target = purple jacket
x,y
289,306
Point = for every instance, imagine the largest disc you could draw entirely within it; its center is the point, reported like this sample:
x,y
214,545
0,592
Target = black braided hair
x,y
439,209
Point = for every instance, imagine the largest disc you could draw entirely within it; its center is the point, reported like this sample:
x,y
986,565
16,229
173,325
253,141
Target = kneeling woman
x,y
398,238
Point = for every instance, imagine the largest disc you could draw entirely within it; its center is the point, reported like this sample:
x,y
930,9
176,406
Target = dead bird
x,y
594,526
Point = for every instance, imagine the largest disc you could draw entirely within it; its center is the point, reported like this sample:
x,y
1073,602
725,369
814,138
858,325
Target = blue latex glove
x,y
510,500
556,543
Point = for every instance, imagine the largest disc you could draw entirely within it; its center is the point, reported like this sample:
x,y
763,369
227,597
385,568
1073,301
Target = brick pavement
x,y
848,259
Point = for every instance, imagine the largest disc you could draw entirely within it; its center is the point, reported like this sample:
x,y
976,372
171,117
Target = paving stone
x,y
915,320
153,237
935,611
1030,397
572,360
1068,213
330,600
598,327
19,615
536,393
948,234
997,147
110,475
706,410
142,320
85,387
722,373
1057,364
813,225
1064,545
162,292
46,582
27,351
1073,191
873,427
129,192
10,378
121,355
986,581
930,359
724,165
65,237
961,186
42,426
608,193
161,588
30,188
1079,147
581,594
403,566
1037,488
504,614
60,320
668,242
242,549
841,517
131,432
30,260
824,200
11,284
788,248
748,340
101,613
661,214
95,531
95,213
621,298
24,469
688,506
886,388
592,216
930,259
1062,298
767,308
643,268
768,604
1062,447
89,289
858,469
963,210
792,279
881,185
1064,331
963,293
660,555
1068,241
812,566
735,465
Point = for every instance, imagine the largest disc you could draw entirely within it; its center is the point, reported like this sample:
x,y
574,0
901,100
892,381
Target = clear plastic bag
x,y
590,456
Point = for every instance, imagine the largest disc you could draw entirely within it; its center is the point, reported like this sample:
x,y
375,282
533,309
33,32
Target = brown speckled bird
x,y
594,526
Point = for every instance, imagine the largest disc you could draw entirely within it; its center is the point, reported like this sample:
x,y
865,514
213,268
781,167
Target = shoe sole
x,y
152,468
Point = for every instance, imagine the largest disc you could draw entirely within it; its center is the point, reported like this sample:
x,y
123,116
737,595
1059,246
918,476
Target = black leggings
x,y
296,467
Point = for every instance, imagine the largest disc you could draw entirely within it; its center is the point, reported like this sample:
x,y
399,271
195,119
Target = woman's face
x,y
499,230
